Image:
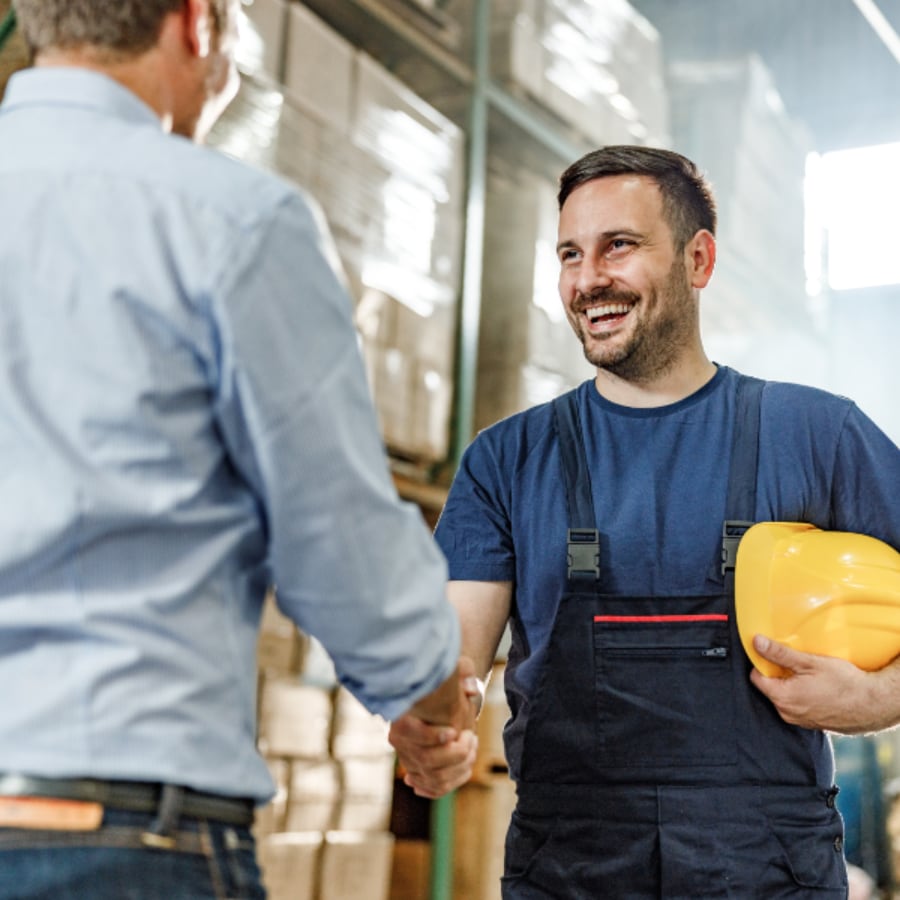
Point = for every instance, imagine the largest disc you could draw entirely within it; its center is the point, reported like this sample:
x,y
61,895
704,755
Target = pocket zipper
x,y
705,652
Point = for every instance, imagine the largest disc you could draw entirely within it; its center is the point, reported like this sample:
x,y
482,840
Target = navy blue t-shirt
x,y
659,479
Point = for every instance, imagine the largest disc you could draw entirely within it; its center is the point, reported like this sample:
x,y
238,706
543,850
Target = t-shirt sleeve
x,y
865,495
474,529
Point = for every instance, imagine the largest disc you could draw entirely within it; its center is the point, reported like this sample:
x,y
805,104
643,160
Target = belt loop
x,y
162,832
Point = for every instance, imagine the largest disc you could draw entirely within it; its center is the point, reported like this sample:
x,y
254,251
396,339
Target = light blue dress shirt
x,y
184,419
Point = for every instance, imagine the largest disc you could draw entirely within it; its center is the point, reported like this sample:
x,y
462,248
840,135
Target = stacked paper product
x,y
333,770
595,64
527,351
387,170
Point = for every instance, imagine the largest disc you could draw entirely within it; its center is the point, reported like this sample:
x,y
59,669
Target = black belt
x,y
133,796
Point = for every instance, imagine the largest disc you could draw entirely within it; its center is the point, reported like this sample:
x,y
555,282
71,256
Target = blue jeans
x,y
210,861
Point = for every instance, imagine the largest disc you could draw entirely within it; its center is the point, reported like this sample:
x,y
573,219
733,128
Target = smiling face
x,y
629,294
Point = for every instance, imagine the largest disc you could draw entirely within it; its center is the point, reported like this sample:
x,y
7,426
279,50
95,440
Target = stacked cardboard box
x,y
387,170
485,804
595,64
527,351
324,836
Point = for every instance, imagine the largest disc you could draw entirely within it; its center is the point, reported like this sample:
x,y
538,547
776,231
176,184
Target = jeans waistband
x,y
134,796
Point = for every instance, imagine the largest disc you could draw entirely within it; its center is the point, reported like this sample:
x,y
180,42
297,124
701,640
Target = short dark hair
x,y
688,201
119,27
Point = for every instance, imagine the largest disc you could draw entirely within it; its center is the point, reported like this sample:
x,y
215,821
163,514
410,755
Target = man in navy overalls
x,y
649,761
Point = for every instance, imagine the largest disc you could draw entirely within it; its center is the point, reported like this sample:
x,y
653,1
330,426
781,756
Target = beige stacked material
x,y
262,34
527,351
332,866
387,170
411,875
324,835
597,65
728,117
892,826
483,811
409,358
484,805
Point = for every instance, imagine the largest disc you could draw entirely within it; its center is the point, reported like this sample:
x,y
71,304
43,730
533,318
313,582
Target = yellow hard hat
x,y
829,592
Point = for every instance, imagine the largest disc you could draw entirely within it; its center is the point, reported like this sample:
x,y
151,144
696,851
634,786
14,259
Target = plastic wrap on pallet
x,y
597,65
728,117
416,180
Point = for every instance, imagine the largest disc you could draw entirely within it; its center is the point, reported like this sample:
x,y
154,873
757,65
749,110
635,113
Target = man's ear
x,y
700,258
198,26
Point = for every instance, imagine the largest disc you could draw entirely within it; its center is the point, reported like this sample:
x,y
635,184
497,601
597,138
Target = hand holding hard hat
x,y
832,593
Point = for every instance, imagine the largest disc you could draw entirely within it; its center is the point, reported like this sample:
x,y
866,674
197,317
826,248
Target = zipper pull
x,y
716,652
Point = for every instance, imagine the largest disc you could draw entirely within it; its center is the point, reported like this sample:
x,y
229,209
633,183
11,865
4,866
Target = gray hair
x,y
117,27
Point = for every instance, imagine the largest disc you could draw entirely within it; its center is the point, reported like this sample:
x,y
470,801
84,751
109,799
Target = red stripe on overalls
x,y
711,617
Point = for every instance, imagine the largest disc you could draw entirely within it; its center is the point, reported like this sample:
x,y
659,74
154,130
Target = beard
x,y
653,347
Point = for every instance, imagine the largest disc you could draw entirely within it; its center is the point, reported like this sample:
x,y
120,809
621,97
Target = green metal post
x,y
470,306
7,26
443,811
443,816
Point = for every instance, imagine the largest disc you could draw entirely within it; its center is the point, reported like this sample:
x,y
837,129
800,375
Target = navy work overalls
x,y
652,768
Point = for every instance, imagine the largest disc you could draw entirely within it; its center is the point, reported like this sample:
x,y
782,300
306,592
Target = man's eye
x,y
620,243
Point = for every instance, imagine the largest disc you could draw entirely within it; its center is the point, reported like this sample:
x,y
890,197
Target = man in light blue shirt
x,y
184,420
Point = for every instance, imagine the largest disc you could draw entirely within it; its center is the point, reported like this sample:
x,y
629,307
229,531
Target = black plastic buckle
x,y
584,553
732,532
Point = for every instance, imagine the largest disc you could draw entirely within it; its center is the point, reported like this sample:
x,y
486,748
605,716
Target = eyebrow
x,y
603,236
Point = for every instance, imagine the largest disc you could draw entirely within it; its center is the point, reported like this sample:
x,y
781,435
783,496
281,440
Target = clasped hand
x,y
438,758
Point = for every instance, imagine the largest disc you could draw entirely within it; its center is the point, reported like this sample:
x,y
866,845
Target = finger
x,y
781,654
434,760
765,685
432,788
454,754
412,730
435,781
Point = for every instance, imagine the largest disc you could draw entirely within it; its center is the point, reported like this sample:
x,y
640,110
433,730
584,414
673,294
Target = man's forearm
x,y
450,704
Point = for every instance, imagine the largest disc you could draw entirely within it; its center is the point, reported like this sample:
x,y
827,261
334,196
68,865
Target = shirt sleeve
x,y
353,565
474,529
866,480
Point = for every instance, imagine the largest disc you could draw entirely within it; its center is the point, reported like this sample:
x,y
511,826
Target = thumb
x,y
781,654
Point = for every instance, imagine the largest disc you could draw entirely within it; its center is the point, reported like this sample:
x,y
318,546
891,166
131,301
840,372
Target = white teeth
x,y
607,309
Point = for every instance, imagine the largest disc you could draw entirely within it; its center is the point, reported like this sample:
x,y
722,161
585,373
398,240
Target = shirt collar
x,y
72,86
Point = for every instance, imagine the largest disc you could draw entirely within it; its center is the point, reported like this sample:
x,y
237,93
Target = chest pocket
x,y
664,684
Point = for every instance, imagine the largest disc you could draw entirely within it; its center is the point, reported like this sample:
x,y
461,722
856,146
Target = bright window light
x,y
857,194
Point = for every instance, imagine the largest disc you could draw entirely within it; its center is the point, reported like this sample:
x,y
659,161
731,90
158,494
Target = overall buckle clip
x,y
583,553
732,532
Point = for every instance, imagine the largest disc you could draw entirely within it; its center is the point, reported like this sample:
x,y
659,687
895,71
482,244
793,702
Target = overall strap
x,y
740,505
582,536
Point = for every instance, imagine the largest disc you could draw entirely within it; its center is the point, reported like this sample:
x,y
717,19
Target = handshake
x,y
435,740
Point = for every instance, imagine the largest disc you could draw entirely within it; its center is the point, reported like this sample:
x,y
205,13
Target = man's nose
x,y
593,273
